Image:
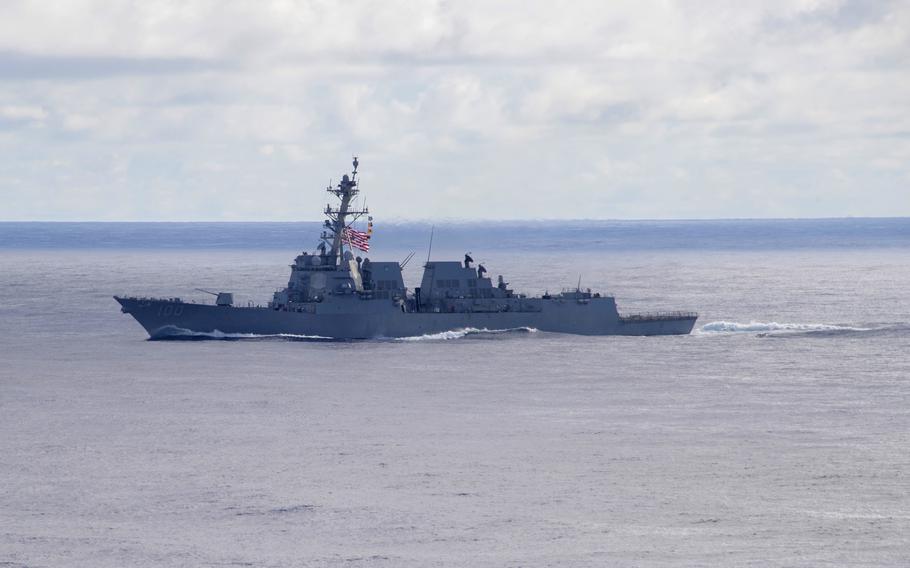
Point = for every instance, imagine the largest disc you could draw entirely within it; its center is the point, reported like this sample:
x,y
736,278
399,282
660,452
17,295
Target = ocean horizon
x,y
713,234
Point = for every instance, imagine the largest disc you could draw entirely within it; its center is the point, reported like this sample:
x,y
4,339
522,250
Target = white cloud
x,y
23,112
458,109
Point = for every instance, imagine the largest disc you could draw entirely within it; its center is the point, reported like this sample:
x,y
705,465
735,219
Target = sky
x,y
244,111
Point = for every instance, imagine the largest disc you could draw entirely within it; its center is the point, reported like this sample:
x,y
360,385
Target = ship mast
x,y
346,190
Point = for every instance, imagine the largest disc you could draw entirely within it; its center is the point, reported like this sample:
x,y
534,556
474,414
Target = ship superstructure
x,y
334,293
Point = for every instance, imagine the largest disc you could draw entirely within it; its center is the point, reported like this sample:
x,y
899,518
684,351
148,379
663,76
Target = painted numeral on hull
x,y
168,310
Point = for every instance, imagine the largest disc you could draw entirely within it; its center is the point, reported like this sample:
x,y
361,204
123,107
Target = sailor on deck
x,y
366,271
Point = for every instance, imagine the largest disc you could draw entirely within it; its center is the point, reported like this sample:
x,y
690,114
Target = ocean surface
x,y
777,434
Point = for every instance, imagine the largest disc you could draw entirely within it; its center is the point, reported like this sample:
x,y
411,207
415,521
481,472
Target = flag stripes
x,y
359,239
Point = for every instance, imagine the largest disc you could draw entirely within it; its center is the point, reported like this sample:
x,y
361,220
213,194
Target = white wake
x,y
459,333
772,327
178,333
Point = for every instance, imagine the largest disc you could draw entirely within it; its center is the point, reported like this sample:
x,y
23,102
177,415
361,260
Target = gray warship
x,y
332,293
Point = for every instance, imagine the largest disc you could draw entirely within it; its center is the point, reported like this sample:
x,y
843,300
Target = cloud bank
x,y
243,110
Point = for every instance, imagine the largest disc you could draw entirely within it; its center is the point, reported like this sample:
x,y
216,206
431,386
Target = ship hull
x,y
164,318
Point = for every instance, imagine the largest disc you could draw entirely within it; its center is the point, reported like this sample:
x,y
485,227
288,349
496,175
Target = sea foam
x,y
177,333
459,333
772,327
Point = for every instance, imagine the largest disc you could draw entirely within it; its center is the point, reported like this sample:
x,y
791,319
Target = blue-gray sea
x,y
777,434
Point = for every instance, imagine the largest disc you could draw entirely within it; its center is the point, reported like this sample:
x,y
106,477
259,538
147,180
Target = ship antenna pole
x,y
430,248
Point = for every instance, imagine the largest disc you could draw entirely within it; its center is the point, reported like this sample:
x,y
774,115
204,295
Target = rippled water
x,y
775,435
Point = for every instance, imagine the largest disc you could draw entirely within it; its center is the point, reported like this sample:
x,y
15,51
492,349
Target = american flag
x,y
358,239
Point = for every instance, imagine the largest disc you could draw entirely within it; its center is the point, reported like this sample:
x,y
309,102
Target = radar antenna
x,y
333,235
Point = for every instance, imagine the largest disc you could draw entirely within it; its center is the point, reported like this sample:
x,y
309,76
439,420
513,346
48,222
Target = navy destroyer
x,y
332,293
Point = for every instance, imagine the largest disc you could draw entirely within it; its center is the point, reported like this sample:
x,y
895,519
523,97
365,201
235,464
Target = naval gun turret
x,y
225,299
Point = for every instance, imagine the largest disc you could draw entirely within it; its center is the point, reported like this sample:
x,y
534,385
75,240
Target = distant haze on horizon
x,y
243,111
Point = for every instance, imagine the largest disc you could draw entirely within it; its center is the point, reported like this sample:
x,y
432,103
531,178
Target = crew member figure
x,y
366,272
